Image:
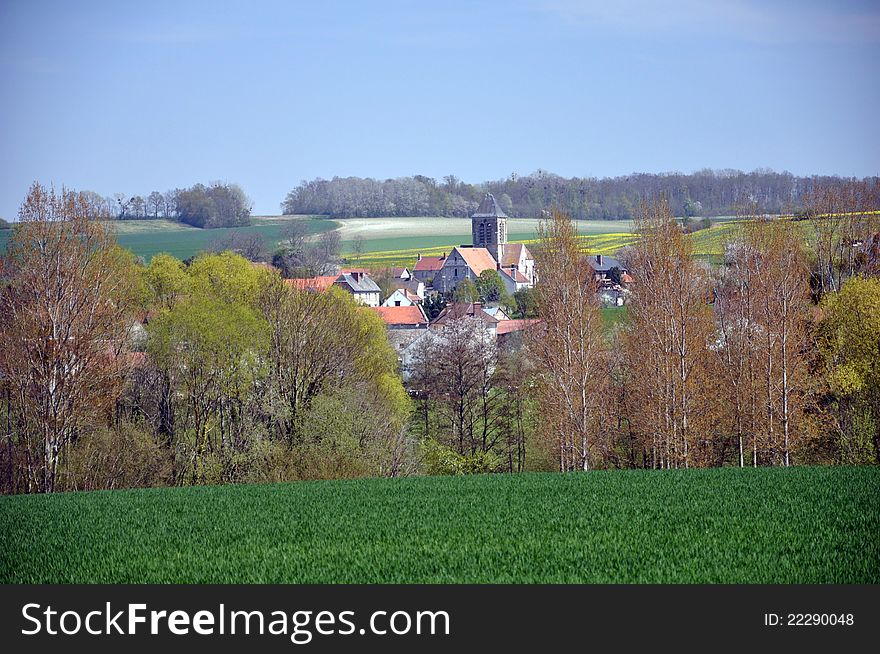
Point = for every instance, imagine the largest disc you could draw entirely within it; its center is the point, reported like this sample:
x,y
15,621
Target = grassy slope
x,y
149,237
724,525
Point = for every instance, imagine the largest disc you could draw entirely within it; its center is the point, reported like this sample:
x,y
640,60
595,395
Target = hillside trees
x,y
64,326
567,347
218,205
702,193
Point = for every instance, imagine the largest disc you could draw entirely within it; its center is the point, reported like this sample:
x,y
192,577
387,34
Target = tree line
x,y
765,359
703,193
214,205
118,374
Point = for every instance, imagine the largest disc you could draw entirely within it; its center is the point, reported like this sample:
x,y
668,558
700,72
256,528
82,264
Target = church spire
x,y
489,227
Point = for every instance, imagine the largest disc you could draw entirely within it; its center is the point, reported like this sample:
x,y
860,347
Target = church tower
x,y
489,227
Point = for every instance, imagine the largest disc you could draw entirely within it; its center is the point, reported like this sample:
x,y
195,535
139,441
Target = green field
x,y
799,525
149,237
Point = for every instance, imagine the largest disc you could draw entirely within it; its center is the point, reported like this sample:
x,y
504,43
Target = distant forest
x,y
703,193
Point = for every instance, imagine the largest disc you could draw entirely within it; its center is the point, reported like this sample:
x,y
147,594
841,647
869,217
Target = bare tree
x,y
666,342
65,320
567,348
250,245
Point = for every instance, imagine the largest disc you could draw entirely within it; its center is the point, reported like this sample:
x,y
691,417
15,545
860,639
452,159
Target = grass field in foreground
x,y
799,525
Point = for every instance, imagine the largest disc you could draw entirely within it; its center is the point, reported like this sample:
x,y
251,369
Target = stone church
x,y
489,251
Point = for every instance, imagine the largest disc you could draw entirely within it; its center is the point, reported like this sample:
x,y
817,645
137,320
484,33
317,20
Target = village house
x,y
464,262
359,284
401,273
611,279
402,297
406,324
412,285
313,284
514,280
426,268
459,310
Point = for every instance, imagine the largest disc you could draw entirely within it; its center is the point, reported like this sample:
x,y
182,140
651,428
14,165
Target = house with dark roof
x,y
459,310
603,266
361,286
411,285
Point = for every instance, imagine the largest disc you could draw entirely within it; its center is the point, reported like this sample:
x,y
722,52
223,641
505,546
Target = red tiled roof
x,y
626,278
462,309
412,315
507,326
429,263
477,259
315,284
516,275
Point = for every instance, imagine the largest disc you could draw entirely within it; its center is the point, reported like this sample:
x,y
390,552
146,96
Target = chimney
x,y
444,256
419,256
599,259
478,306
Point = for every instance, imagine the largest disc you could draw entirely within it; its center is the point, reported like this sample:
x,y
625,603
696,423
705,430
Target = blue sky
x,y
135,97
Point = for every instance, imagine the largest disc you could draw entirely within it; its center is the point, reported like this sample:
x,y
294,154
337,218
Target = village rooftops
x,y
458,310
601,263
358,282
489,208
508,326
426,264
512,254
313,284
400,273
349,271
411,316
515,275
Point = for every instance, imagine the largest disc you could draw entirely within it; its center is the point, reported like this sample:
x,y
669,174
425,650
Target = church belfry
x,y
489,227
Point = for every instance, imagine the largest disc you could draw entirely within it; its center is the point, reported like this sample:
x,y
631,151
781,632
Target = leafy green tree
x,y
526,303
849,342
213,353
490,287
466,291
228,276
166,277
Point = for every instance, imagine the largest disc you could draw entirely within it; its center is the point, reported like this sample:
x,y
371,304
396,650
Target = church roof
x,y
477,259
489,208
512,254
